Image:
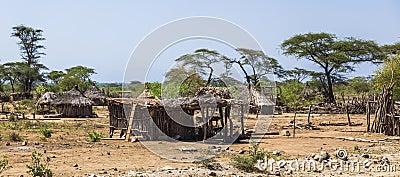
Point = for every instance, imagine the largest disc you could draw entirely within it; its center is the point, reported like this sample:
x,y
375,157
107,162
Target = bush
x,y
3,164
15,137
40,165
247,162
46,132
95,137
28,102
12,118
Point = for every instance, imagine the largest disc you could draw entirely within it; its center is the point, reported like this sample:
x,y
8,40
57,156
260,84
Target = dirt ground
x,y
72,153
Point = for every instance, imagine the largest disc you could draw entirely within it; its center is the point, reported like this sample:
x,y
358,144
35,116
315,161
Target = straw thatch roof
x,y
96,95
73,97
220,92
47,98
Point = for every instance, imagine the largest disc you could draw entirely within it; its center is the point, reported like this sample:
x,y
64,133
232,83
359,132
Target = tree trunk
x,y
309,115
209,77
12,86
331,97
294,124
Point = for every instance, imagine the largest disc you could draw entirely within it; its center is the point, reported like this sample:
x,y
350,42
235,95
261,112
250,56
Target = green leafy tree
x,y
2,77
155,89
333,55
256,65
31,51
77,75
359,85
55,76
11,73
387,74
201,60
297,74
180,81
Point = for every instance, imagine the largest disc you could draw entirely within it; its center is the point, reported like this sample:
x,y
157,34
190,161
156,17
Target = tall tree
x,y
55,76
201,60
77,75
31,50
181,81
332,54
256,65
12,72
297,74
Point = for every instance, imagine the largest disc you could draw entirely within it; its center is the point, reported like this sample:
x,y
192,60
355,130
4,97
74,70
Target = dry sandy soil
x,y
72,153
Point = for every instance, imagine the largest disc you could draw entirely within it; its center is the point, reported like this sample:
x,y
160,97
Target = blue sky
x,y
102,34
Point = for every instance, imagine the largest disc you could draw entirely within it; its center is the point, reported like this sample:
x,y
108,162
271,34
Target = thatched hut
x,y
73,104
46,100
96,95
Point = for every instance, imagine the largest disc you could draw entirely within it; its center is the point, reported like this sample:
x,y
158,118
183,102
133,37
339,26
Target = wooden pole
x,y
368,116
241,118
309,115
347,112
294,124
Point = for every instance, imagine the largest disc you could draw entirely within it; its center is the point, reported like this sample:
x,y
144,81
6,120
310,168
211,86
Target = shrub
x,y
40,165
3,164
12,118
46,132
95,137
247,162
15,137
356,148
28,102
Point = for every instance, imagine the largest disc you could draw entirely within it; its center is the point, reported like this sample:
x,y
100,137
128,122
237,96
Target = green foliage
x,y
40,165
46,132
135,87
202,60
255,65
355,86
95,137
15,137
77,75
181,81
12,118
356,148
332,54
55,76
291,94
389,72
3,164
247,162
155,89
28,72
40,89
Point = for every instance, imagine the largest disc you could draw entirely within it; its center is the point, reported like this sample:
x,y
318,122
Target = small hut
x,y
73,104
46,100
96,95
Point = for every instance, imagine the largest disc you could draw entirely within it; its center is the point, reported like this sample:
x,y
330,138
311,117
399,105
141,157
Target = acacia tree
x,y
297,74
390,70
12,72
31,50
55,76
180,81
77,75
201,60
332,54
